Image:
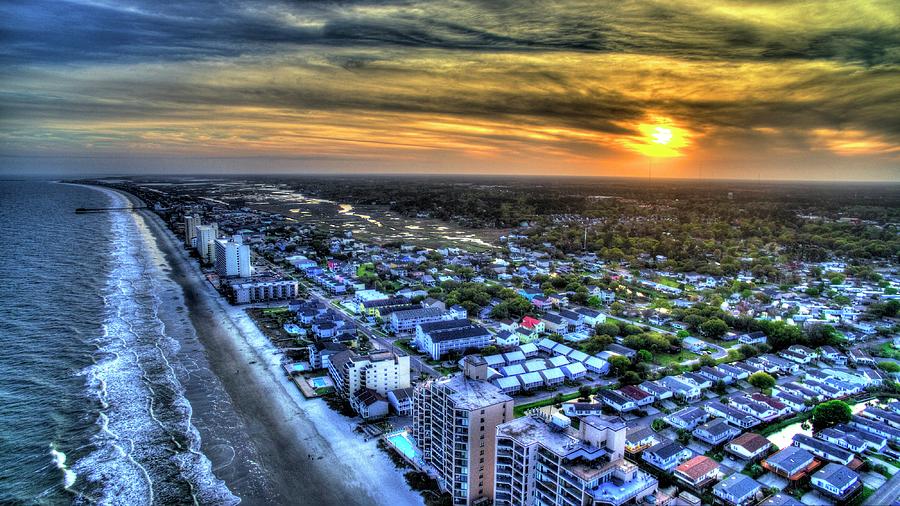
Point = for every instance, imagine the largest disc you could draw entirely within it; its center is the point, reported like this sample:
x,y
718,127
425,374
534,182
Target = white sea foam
x,y
59,459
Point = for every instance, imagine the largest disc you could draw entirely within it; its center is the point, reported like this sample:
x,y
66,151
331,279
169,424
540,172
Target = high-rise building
x,y
191,222
232,258
206,242
454,422
380,372
543,460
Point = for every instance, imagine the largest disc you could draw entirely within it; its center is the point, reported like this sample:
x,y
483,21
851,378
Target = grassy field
x,y
520,409
667,359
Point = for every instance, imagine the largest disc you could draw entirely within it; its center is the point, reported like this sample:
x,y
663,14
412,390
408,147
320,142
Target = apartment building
x,y
439,338
454,422
380,372
543,460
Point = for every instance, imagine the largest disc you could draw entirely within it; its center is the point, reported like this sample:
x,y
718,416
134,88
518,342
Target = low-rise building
x,y
737,490
666,455
837,481
749,446
698,472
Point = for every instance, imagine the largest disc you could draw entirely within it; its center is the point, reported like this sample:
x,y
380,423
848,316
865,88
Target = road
x,y
888,494
719,354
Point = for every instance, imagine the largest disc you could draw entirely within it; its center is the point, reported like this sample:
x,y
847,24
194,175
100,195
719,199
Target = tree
x,y
890,367
608,328
830,413
618,364
714,327
596,344
761,380
630,378
584,393
644,355
707,361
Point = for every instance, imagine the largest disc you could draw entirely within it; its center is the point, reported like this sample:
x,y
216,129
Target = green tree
x,y
609,328
584,393
707,360
644,355
618,364
714,327
830,413
761,380
630,378
890,367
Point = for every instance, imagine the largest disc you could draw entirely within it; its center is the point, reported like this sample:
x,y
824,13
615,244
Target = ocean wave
x,y
146,449
59,460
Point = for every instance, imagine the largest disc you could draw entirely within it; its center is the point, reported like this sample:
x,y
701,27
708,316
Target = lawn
x,y
520,409
667,359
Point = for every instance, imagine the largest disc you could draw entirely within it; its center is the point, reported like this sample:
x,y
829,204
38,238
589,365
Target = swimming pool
x,y
403,443
319,382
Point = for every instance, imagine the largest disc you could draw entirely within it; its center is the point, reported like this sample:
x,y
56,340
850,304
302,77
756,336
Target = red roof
x,y
750,441
634,392
697,467
529,322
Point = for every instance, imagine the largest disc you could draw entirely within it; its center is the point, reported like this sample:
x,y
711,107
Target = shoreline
x,y
308,452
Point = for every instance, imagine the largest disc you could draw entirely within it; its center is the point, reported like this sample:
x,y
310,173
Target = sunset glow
x,y
577,89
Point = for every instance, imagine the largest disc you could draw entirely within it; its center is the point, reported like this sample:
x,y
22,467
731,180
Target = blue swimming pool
x,y
319,382
402,442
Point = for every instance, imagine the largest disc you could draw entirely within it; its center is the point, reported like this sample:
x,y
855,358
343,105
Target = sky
x,y
689,89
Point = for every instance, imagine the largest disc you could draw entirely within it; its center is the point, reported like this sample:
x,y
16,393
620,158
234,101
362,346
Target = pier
x,y
82,210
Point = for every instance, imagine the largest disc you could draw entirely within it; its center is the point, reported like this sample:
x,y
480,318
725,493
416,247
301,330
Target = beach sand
x,y
308,452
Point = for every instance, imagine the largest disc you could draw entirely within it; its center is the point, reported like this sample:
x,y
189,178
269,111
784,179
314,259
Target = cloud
x,y
569,80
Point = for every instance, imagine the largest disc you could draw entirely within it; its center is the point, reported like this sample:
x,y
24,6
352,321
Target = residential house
x,y
715,432
823,449
837,481
688,418
737,490
666,455
753,338
615,400
749,446
698,472
792,463
401,399
731,414
638,439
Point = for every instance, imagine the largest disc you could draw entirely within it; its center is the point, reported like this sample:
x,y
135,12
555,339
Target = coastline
x,y
308,452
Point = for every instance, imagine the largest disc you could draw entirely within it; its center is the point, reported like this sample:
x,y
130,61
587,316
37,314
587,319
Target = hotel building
x,y
454,422
232,258
542,460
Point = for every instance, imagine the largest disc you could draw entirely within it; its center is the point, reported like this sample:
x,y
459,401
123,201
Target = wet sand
x,y
308,452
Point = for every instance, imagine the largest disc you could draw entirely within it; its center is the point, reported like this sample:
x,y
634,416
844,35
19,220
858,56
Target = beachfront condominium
x,y
543,460
232,257
454,422
379,372
191,222
206,242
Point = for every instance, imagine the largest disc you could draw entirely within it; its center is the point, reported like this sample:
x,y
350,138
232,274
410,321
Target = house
x,y
579,409
794,402
401,400
552,376
508,384
638,439
715,375
873,442
694,344
749,446
369,404
875,427
616,400
506,339
823,449
512,370
666,455
842,439
555,323
621,350
882,415
597,365
529,349
830,354
320,353
737,490
687,418
698,472
715,432
792,463
531,380
514,357
836,481
860,357
735,372
574,371
681,389
657,391
780,499
592,317
753,338
754,408
640,397
731,414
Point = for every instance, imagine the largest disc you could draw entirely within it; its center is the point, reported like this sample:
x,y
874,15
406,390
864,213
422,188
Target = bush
x,y
761,380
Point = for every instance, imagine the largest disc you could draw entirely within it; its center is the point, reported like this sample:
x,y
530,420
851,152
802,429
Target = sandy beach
x,y
309,452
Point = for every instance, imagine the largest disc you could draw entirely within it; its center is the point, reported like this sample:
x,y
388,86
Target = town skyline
x,y
737,90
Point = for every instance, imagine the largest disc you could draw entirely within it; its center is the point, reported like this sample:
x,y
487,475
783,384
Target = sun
x,y
659,137
662,135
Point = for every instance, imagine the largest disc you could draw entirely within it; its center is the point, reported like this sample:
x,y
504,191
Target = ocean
x,y
99,361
